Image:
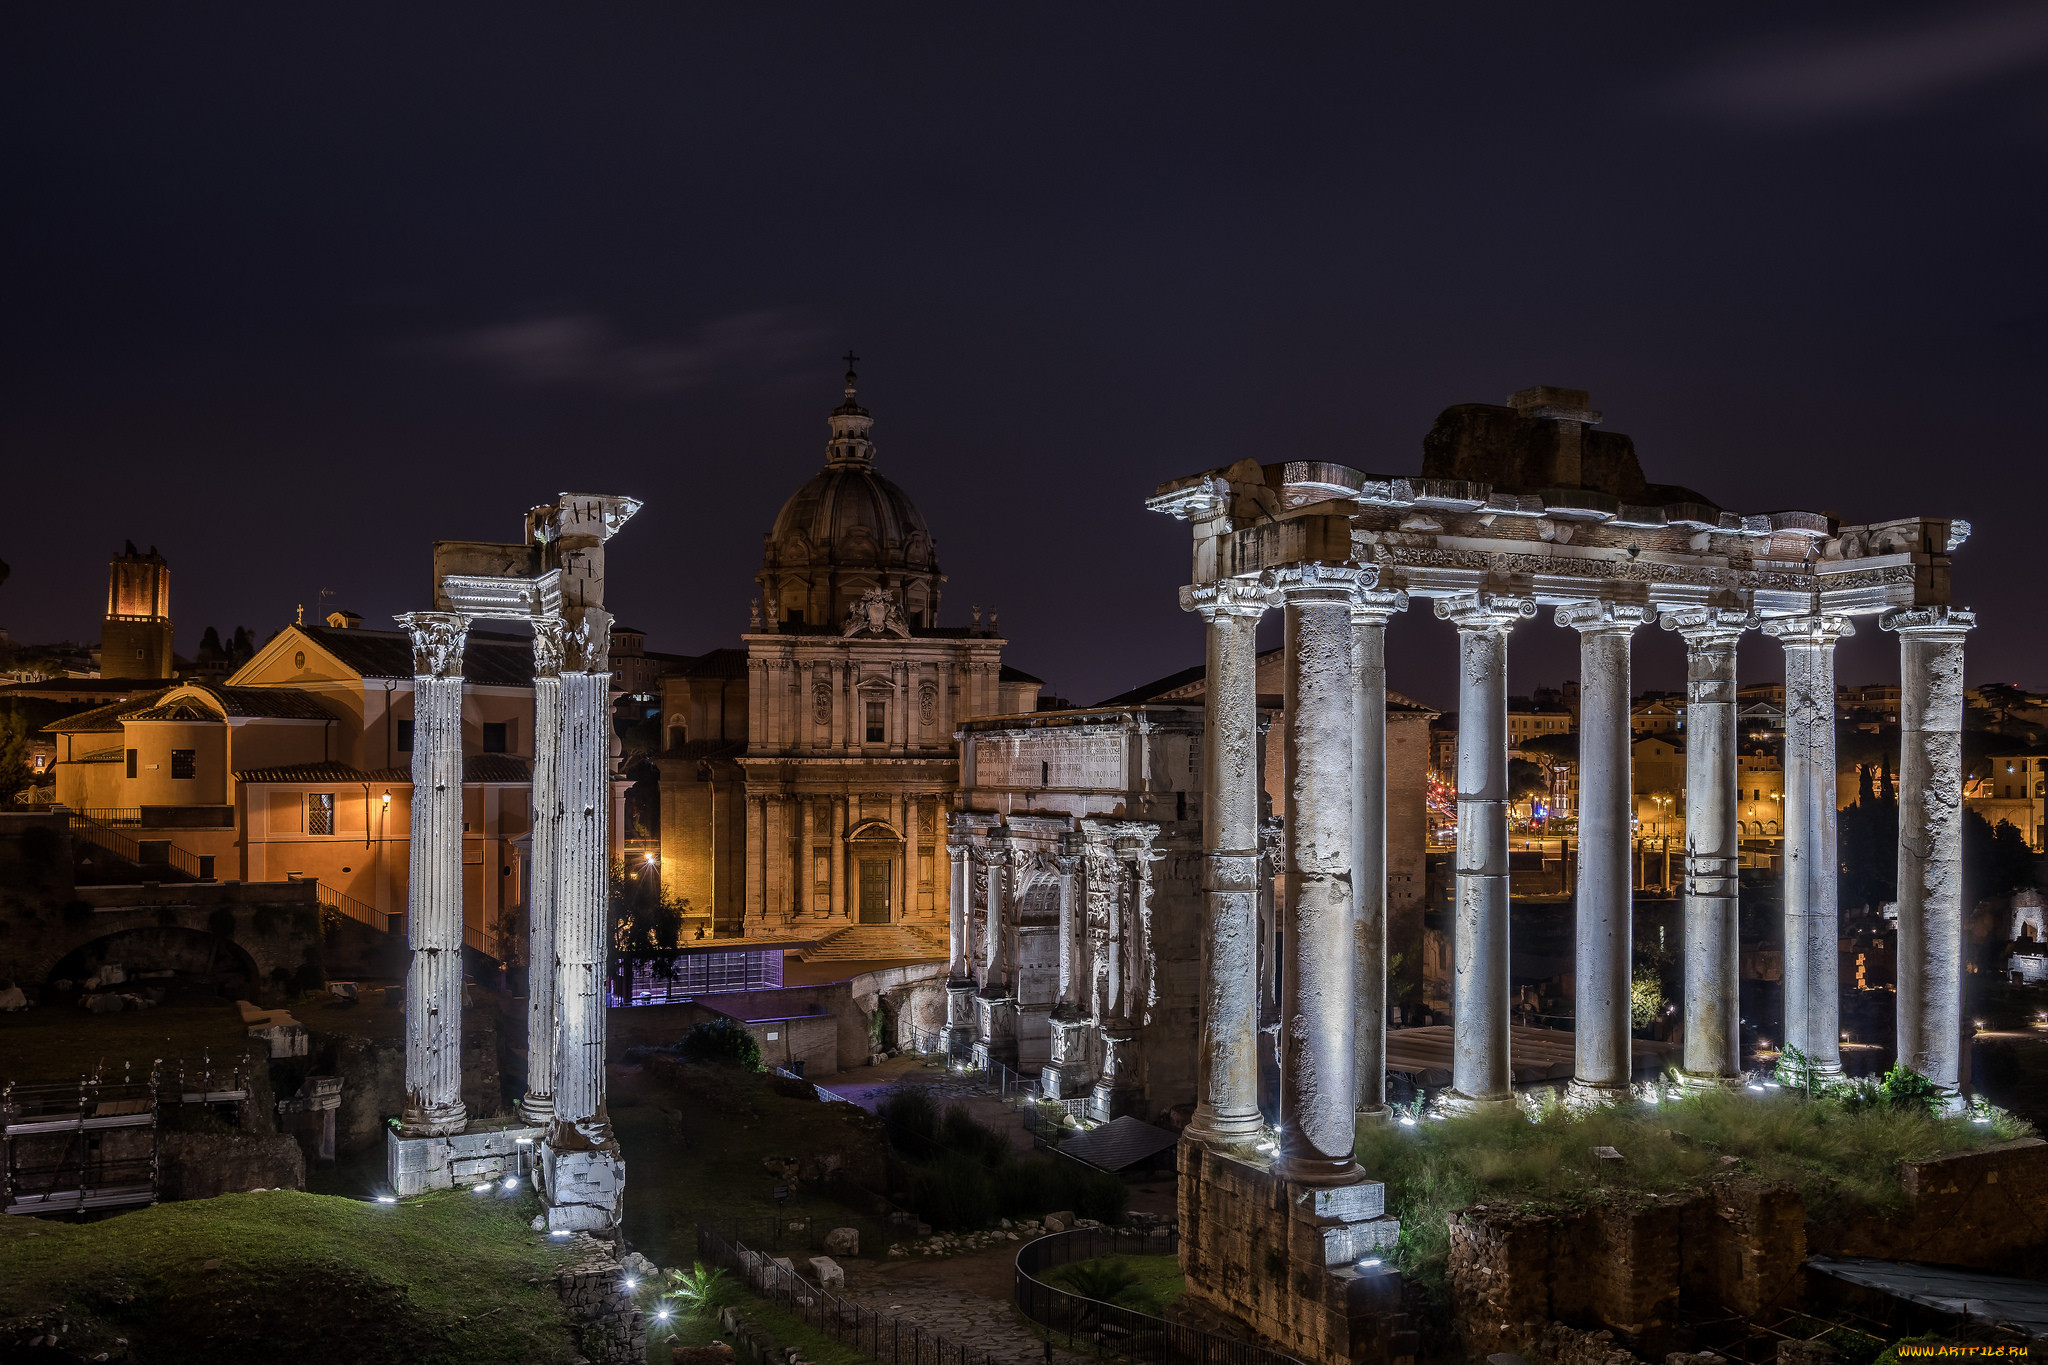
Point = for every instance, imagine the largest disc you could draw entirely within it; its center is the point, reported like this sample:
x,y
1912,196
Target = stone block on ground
x,y
827,1273
1059,1222
842,1242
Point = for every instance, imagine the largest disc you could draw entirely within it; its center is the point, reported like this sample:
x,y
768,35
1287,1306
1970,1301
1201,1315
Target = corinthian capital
x,y
438,638
1314,582
1930,621
1709,627
587,641
1590,617
548,643
1484,610
1225,597
1812,631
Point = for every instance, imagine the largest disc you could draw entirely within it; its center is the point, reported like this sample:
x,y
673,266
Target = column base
x,y
418,1164
1708,1080
1453,1102
537,1109
1317,1173
441,1120
1222,1131
582,1182
1377,1113
1582,1095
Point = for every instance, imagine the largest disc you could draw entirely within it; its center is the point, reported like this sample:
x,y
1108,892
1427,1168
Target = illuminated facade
x,y
135,639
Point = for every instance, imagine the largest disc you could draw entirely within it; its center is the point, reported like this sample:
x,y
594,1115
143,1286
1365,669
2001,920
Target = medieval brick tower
x,y
135,641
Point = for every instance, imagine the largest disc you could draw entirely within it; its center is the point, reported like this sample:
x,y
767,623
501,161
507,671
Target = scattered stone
x,y
1005,1224
13,998
1607,1154
827,1273
1059,1222
842,1242
539,1223
633,1263
108,1003
717,1353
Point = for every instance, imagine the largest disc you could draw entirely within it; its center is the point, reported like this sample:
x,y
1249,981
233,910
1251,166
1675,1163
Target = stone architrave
x,y
1481,1066
1602,1050
1812,915
1930,1001
1318,1088
538,1104
433,992
1227,1074
1713,848
1369,617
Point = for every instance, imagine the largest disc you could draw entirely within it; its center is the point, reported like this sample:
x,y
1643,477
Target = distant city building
x,y
135,640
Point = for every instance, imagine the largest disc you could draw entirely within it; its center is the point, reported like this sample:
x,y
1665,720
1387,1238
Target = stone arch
x,y
160,947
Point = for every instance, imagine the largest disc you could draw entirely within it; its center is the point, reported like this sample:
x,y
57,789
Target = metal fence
x,y
145,853
882,1335
355,909
1111,1329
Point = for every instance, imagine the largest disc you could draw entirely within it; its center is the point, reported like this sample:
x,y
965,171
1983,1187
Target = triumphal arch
x,y
1517,508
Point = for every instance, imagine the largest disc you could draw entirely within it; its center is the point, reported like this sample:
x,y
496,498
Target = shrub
x,y
1104,1279
953,1192
911,1111
1905,1088
959,1132
700,1291
722,1042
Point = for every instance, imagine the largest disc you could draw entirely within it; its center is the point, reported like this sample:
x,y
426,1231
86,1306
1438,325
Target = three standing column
x,y
1713,846
1227,1075
1318,989
1481,1066
1812,915
1602,1052
538,1105
1369,616
1931,840
433,986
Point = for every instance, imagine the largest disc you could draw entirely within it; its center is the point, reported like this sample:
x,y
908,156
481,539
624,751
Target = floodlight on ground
x,y
1368,1262
479,1189
387,1199
524,1142
511,1182
559,1232
632,1285
1759,1089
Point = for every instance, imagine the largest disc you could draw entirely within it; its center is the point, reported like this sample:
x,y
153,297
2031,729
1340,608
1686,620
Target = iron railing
x,y
882,1335
147,853
1111,1329
355,909
131,815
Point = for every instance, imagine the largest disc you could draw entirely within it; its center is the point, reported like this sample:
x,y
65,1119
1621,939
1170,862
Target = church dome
x,y
845,532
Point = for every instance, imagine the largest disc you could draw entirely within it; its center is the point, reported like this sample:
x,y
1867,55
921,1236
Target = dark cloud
x,y
585,350
1837,78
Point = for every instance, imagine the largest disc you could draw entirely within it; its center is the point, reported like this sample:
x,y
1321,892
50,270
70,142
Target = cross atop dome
x,y
850,424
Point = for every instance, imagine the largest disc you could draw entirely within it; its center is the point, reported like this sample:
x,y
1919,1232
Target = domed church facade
x,y
805,776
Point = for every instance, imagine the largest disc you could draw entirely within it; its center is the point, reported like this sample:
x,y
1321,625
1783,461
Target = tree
x,y
14,770
1526,779
1996,862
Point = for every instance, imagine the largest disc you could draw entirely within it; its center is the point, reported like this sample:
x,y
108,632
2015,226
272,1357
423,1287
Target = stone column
x,y
1068,860
996,965
1602,1055
584,1178
1318,1089
838,857
1369,617
1481,1065
1227,1076
538,1105
1812,985
961,887
1713,846
1931,840
433,986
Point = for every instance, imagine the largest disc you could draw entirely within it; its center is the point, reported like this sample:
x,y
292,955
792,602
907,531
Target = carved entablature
x,y
438,639
1609,537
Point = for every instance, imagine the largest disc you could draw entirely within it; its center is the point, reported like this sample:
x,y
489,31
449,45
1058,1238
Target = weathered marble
x,y
433,1015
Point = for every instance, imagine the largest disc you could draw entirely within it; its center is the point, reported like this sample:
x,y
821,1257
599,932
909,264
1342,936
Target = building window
x,y
319,812
184,763
494,737
131,763
405,736
877,712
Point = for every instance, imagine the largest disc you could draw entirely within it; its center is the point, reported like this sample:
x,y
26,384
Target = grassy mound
x,y
1145,1283
1841,1157
286,1276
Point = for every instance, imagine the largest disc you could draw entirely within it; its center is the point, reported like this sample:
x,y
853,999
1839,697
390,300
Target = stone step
x,y
876,941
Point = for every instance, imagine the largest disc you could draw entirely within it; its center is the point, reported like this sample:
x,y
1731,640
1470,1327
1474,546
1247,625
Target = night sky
x,y
291,291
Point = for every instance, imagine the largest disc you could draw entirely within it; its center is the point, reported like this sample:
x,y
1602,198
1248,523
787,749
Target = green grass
x,y
1155,1281
1841,1160
300,1277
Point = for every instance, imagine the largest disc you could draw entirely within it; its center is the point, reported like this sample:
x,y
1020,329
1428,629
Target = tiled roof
x,y
496,768
177,710
304,772
100,717
490,659
279,703
112,755
1010,674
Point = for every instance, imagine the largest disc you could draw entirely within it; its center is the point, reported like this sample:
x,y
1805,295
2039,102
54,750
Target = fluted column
x,y
1713,846
1072,922
1604,908
433,988
538,1105
1812,983
582,910
1481,1065
1318,1087
1369,617
1227,1074
995,969
1931,840
962,891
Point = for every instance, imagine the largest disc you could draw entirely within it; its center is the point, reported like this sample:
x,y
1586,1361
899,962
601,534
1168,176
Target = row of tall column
x,y
1332,1011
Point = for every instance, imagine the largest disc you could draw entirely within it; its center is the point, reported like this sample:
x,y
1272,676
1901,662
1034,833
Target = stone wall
x,y
1299,1267
1625,1264
609,1326
202,1165
1978,1209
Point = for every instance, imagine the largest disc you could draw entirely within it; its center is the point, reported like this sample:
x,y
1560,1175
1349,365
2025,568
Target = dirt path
x,y
967,1299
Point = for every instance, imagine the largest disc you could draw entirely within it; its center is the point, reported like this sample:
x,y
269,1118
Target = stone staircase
x,y
871,942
